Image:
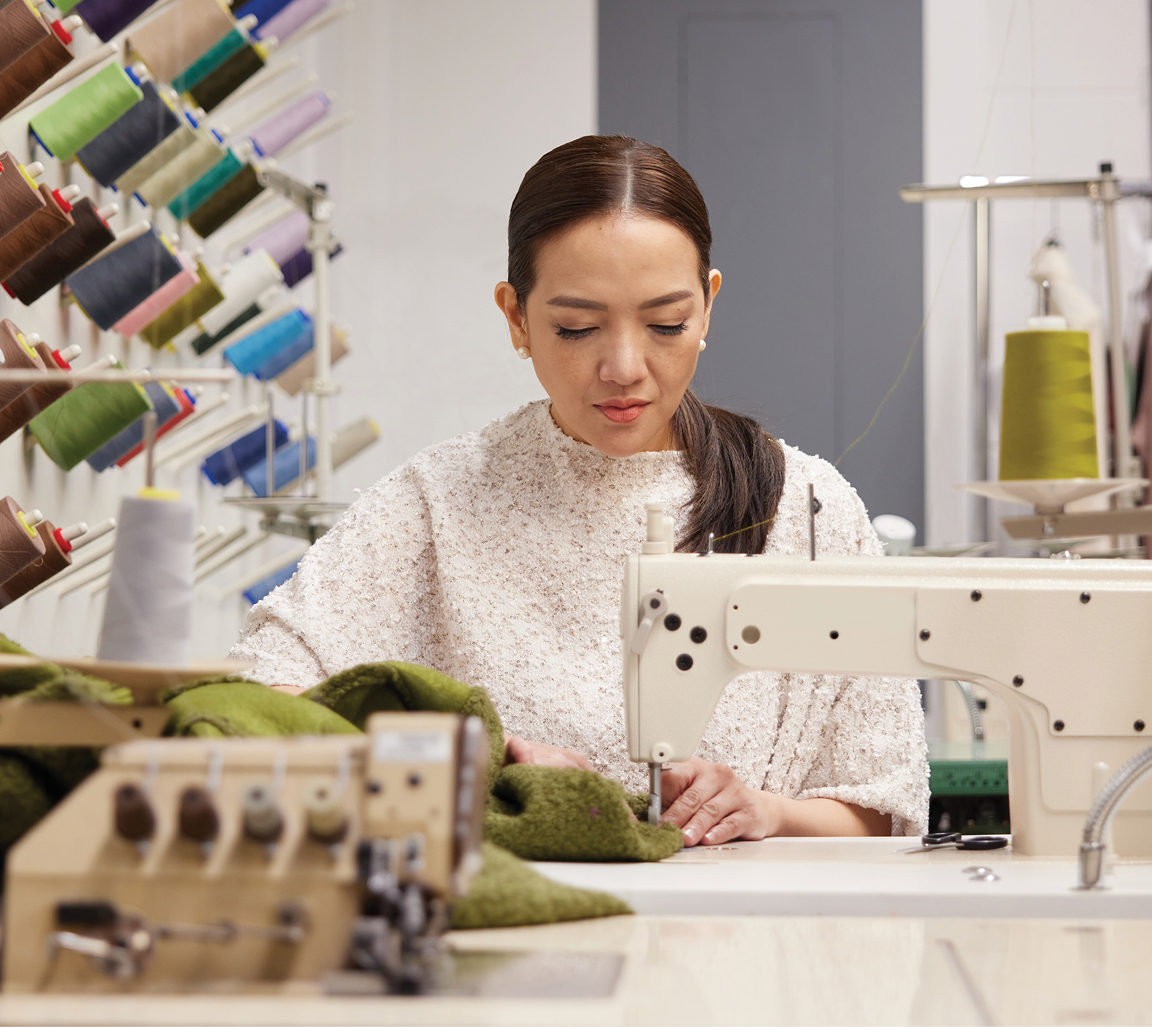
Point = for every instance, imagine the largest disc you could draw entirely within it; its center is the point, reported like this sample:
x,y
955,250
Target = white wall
x,y
454,100
1047,88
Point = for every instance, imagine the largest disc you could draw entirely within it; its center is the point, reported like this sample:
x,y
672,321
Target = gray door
x,y
800,120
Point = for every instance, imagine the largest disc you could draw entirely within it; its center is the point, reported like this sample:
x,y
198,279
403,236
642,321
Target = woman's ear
x,y
510,307
714,280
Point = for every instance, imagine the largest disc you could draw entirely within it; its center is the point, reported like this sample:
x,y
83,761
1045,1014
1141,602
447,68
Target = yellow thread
x,y
167,494
24,524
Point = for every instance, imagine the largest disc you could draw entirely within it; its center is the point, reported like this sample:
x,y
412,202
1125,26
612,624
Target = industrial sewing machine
x,y
1065,643
185,864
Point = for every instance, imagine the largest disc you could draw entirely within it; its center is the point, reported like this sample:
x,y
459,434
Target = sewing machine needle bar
x,y
655,799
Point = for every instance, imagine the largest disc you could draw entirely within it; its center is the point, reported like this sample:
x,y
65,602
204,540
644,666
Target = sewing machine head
x,y
1065,643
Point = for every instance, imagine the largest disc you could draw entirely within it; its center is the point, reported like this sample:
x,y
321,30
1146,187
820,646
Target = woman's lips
x,y
622,414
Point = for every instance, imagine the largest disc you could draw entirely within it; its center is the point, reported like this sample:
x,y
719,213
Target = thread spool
x,y
134,817
133,135
278,131
253,275
267,585
292,379
148,165
185,27
204,342
324,813
209,60
21,79
299,266
148,616
199,821
1047,419
227,464
171,180
187,404
263,821
31,236
87,237
261,10
85,111
205,185
81,421
220,83
57,556
226,202
291,333
165,406
19,543
353,439
108,18
19,355
21,29
172,290
39,397
285,468
284,239
112,286
290,18
19,199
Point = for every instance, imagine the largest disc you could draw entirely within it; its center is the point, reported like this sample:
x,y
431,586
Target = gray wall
x,y
800,119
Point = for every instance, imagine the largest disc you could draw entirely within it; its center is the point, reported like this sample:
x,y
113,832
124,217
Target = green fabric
x,y
506,893
214,709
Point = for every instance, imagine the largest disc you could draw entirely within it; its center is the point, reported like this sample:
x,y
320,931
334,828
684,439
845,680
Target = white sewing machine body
x,y
1065,643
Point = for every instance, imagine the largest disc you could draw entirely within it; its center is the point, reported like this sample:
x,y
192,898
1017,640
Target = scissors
x,y
954,839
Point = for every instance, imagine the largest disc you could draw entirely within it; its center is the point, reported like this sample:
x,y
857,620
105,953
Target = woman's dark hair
x,y
737,466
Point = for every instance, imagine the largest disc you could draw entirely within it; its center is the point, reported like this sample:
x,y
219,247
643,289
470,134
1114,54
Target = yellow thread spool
x,y
1047,417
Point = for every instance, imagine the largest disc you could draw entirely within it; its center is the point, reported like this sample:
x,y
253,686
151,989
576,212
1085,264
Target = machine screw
x,y
1058,725
833,634
684,661
1017,681
698,635
374,787
413,780
925,634
976,595
1085,597
672,622
1139,725
654,603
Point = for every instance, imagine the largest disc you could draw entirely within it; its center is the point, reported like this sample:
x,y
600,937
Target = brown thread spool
x,y
18,356
21,28
135,819
20,411
18,200
199,821
28,238
325,814
71,251
185,311
56,558
19,543
218,85
292,379
183,28
262,819
231,198
31,71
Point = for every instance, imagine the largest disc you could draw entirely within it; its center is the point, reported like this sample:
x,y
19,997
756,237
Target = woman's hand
x,y
290,689
520,750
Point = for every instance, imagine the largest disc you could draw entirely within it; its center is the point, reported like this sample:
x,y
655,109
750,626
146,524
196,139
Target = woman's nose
x,y
623,363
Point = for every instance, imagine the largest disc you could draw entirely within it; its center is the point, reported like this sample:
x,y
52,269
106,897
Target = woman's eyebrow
x,y
576,302
672,297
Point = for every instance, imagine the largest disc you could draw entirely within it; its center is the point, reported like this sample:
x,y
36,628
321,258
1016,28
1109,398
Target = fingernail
x,y
689,834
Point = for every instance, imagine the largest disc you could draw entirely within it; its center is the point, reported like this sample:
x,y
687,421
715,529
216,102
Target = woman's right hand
x,y
520,750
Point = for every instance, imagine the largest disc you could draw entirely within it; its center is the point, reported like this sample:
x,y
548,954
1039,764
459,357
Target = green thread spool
x,y
205,186
1047,417
172,179
64,6
216,87
209,61
81,421
226,202
184,312
83,113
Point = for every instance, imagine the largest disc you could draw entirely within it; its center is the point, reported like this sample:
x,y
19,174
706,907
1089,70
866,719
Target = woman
x,y
497,557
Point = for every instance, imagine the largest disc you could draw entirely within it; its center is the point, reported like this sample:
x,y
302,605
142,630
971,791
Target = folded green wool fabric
x,y
236,708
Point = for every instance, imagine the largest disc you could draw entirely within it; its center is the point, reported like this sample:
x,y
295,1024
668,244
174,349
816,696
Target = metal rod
x,y
303,490
1122,448
655,789
319,238
983,276
150,421
270,445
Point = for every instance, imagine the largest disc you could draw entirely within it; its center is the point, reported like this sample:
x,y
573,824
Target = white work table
x,y
860,877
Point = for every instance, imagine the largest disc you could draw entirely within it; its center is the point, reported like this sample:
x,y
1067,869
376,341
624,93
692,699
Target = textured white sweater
x,y
497,557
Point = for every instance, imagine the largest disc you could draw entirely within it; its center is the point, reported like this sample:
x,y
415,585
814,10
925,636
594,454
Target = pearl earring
x,y
703,345
523,353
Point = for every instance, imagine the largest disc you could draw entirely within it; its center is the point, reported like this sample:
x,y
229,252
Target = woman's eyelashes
x,y
583,333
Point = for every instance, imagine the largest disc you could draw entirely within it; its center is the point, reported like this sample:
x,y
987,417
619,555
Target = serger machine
x,y
1065,643
186,864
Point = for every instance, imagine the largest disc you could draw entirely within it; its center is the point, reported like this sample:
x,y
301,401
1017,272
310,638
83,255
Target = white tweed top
x,y
497,558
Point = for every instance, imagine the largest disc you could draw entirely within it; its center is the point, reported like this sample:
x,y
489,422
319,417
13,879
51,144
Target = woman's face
x,y
613,326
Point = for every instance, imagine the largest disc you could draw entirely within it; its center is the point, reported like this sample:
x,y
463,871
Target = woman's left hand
x,y
710,804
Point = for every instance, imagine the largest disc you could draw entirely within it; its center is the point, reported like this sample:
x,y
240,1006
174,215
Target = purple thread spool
x,y
290,19
278,131
284,239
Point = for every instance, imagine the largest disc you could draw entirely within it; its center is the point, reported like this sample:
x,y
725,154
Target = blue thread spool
x,y
166,407
130,138
263,9
108,18
265,347
117,283
227,464
285,468
274,580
